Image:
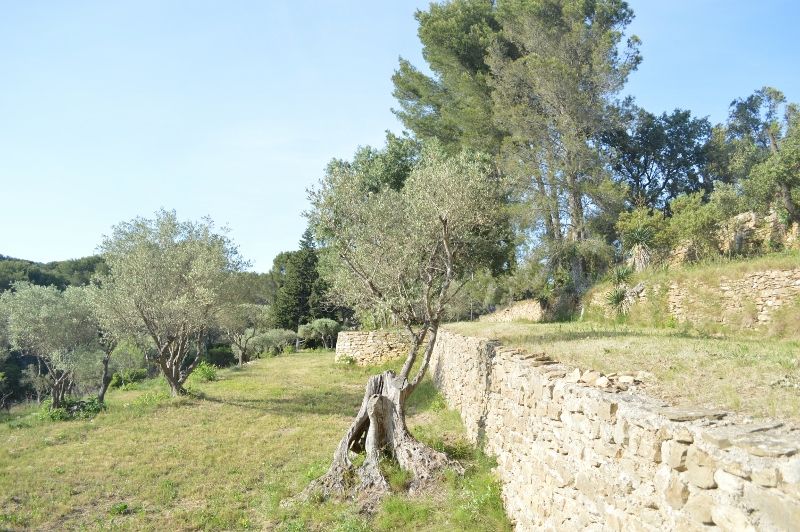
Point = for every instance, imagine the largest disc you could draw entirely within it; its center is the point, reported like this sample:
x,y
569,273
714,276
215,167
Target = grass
x,y
705,306
225,457
751,374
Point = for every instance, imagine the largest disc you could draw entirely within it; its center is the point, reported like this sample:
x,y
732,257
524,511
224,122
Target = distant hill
x,y
61,273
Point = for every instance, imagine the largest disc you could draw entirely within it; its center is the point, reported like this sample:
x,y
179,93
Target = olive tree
x,y
54,326
241,323
166,281
407,251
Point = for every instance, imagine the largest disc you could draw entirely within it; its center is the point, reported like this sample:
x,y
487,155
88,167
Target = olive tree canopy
x,y
166,281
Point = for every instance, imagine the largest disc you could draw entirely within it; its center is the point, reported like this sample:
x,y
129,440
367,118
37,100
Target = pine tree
x,y
296,301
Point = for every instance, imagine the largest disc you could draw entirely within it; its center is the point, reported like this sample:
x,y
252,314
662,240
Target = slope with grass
x,y
715,297
226,456
745,373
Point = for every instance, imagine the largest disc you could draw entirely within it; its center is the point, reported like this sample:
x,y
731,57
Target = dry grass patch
x,y
741,373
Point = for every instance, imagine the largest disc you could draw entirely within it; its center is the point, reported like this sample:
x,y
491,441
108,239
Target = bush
x,y
616,298
127,376
274,341
205,372
620,275
221,355
71,409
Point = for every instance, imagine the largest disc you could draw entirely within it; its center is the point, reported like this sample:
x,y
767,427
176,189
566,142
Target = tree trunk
x,y
101,395
379,429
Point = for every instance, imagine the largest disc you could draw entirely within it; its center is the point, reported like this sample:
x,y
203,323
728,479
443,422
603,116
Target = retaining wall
x,y
579,450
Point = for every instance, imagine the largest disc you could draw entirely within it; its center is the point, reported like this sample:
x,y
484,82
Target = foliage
x,y
620,275
404,251
659,157
695,224
321,331
56,327
167,281
301,296
205,372
241,322
221,355
71,409
274,341
127,376
452,106
73,272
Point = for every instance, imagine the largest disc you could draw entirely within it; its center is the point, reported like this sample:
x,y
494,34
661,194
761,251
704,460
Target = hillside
x,y
60,273
227,456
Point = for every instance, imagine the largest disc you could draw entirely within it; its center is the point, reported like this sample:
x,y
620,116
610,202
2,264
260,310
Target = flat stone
x,y
626,379
674,413
765,477
723,437
590,377
602,382
766,444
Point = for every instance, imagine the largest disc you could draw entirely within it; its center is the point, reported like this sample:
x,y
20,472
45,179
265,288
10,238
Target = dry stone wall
x,y
583,451
369,348
742,303
528,310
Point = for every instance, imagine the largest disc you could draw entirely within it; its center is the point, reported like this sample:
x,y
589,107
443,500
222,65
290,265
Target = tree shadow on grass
x,y
340,402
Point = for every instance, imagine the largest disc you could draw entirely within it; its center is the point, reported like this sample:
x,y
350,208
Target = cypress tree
x,y
296,301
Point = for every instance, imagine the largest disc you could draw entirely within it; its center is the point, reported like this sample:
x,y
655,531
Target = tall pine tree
x,y
297,301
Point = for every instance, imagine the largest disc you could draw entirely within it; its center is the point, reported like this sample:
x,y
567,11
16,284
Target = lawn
x,y
225,457
751,374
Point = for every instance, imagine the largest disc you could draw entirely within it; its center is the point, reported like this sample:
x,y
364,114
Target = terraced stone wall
x,y
580,450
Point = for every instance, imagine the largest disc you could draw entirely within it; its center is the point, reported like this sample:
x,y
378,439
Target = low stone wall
x,y
579,450
369,348
742,303
528,310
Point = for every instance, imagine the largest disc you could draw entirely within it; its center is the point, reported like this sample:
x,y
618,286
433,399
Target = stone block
x,y
698,507
783,512
673,453
730,519
728,483
700,468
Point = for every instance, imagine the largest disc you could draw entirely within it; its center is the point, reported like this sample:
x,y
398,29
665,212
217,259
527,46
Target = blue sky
x,y
109,110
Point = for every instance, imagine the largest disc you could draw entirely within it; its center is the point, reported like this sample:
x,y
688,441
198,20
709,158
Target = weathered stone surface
x,y
674,454
527,310
690,414
700,468
730,518
781,511
368,348
766,444
698,507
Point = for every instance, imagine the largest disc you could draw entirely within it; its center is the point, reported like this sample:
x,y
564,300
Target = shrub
x,y
205,372
127,376
274,341
221,355
71,409
326,329
617,297
620,275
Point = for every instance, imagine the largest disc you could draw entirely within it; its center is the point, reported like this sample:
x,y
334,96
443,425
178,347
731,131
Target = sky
x,y
112,110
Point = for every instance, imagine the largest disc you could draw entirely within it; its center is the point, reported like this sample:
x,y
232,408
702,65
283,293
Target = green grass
x,y
752,374
224,458
706,306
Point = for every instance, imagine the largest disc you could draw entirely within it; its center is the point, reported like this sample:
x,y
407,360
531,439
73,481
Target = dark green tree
x,y
297,300
453,105
659,157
